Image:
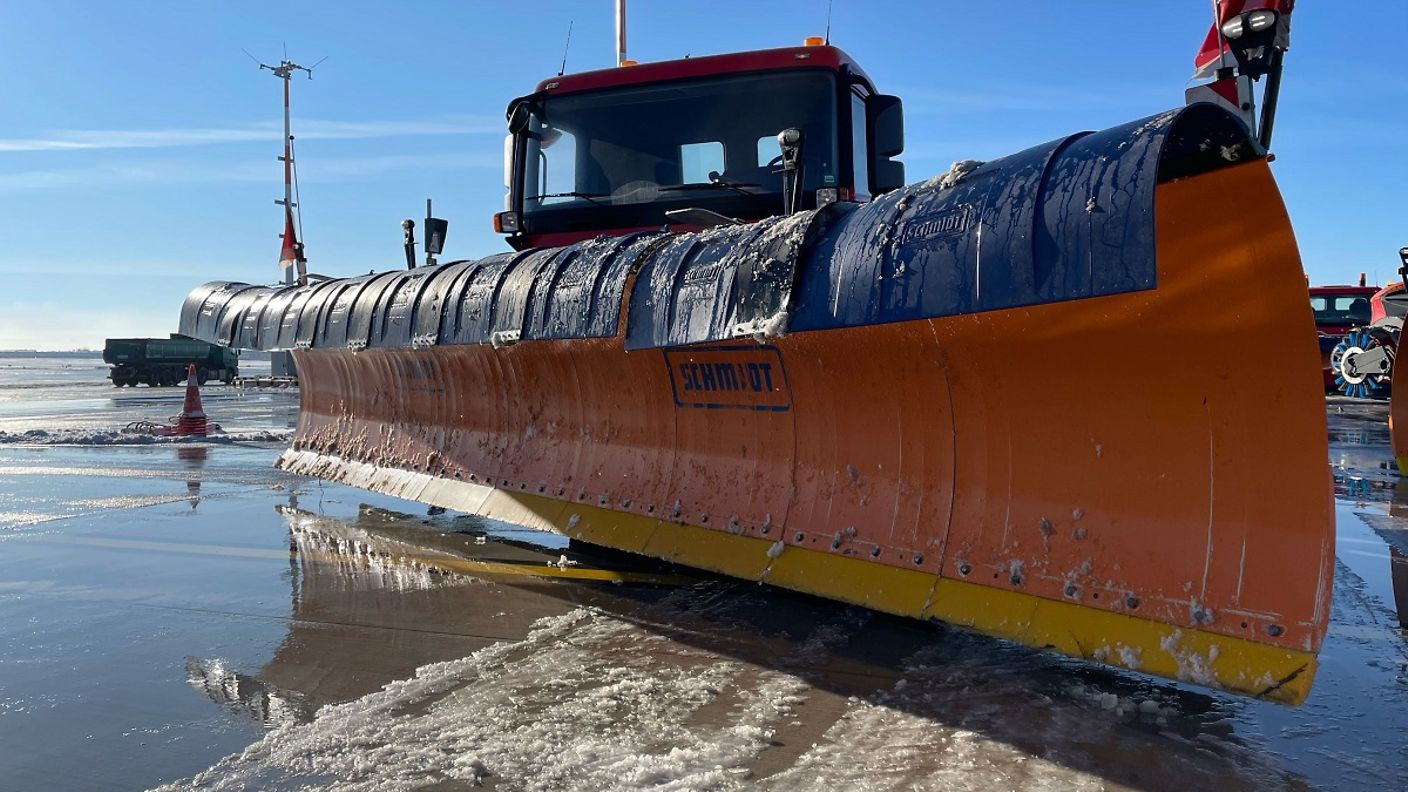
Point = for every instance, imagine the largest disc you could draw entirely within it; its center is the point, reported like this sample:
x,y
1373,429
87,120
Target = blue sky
x,y
138,143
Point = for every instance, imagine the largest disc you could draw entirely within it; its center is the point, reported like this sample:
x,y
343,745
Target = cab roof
x,y
824,56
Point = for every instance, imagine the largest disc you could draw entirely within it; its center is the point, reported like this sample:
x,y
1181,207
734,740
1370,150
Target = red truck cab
x,y
611,151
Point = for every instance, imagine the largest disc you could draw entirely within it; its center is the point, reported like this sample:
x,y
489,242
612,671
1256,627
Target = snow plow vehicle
x,y
729,335
1361,361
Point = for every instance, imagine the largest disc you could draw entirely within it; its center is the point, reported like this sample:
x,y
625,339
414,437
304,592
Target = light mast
x,y
291,256
291,252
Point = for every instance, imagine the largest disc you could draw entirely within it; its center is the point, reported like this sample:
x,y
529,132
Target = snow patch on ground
x,y
14,519
592,701
126,501
113,437
581,703
1128,707
928,731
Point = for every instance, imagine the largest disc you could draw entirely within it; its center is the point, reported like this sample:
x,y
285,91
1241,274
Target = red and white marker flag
x,y
288,254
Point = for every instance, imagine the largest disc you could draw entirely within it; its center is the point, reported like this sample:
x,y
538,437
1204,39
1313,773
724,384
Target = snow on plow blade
x,y
993,400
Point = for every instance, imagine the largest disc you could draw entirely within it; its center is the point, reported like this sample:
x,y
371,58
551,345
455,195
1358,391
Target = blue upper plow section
x,y
1070,219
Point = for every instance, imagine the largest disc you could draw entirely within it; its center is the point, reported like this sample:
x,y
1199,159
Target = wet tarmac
x,y
184,614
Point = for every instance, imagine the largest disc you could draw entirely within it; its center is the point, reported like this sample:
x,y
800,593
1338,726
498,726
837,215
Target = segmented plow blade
x,y
993,403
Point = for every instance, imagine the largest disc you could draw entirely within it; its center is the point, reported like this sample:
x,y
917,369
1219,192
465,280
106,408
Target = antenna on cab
x,y
565,48
621,59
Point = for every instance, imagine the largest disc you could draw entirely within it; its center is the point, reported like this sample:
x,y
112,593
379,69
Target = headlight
x,y
1258,21
1250,22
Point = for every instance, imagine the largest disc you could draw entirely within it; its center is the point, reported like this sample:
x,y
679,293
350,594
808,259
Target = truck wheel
x,y
202,376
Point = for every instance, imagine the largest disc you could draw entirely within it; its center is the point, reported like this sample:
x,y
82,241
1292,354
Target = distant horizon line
x,y
81,351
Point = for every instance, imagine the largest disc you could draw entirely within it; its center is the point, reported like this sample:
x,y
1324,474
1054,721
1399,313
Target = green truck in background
x,y
163,361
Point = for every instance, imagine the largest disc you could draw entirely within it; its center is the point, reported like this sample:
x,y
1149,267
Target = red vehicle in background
x,y
1361,363
1338,310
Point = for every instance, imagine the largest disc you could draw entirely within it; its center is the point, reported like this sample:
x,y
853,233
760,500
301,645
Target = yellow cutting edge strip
x,y
1116,639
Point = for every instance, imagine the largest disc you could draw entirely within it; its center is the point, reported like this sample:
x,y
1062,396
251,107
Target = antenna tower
x,y
292,255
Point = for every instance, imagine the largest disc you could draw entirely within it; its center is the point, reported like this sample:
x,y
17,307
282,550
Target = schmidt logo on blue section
x,y
944,224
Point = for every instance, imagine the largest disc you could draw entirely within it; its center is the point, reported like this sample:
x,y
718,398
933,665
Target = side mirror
x,y
518,114
885,118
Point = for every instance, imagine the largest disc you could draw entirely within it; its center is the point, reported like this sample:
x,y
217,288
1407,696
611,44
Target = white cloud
x,y
308,129
192,172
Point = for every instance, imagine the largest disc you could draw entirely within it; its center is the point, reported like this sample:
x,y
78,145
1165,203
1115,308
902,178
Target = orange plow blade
x,y
1050,451
1398,421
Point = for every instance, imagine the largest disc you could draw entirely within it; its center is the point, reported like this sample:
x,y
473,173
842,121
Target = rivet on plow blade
x,y
943,415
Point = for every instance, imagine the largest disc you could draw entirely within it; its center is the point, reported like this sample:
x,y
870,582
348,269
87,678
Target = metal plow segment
x,y
994,403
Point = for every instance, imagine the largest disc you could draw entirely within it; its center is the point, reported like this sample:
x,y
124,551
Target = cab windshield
x,y
1340,309
626,155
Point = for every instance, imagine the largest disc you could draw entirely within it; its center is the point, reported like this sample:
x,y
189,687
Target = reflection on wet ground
x,y
193,457
287,633
1359,445
1364,471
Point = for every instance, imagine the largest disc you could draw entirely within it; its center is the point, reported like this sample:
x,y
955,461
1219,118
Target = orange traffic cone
x,y
192,420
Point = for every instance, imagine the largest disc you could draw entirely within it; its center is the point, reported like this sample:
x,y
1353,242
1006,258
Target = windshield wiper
x,y
717,183
582,195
